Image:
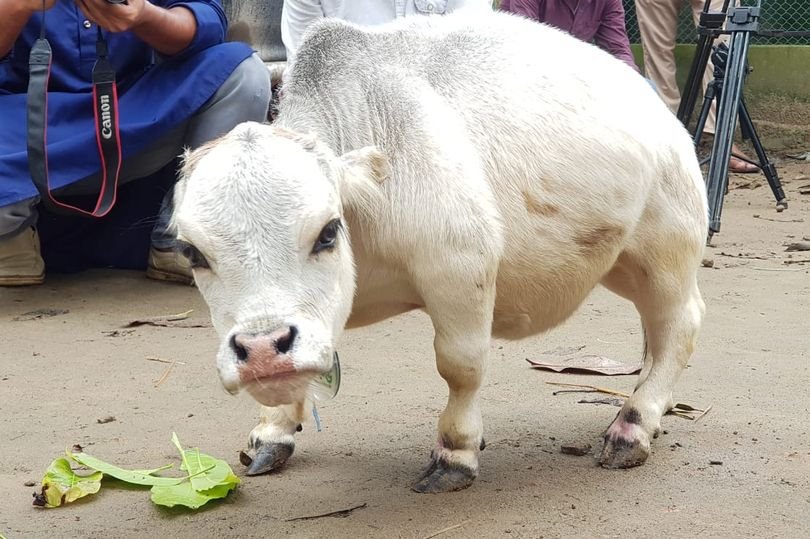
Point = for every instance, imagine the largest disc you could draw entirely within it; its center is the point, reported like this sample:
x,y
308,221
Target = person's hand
x,y
114,17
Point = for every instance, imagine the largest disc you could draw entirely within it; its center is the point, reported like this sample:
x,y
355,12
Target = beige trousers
x,y
658,24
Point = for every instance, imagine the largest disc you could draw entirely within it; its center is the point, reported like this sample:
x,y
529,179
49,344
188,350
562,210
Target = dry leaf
x,y
588,365
610,401
39,314
799,246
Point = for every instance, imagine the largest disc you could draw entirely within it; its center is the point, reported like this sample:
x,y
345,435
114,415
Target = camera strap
x,y
105,110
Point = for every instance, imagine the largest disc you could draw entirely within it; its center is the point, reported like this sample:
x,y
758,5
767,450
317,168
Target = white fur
x,y
521,169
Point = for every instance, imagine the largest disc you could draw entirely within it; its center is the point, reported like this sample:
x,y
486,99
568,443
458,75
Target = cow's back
x,y
553,147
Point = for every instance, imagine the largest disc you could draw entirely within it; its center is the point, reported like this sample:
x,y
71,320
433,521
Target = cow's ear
x,y
363,172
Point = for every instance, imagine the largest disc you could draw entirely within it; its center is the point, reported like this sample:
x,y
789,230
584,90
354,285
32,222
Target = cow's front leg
x,y
463,325
271,442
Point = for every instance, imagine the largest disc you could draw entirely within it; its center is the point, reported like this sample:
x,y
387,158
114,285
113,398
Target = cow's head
x,y
260,215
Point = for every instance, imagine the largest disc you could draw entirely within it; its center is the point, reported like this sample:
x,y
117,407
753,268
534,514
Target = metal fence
x,y
776,15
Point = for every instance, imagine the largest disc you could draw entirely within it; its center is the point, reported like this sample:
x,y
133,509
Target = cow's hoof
x,y
441,476
265,457
625,449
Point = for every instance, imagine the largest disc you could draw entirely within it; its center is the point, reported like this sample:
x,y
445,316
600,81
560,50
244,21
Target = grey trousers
x,y
244,96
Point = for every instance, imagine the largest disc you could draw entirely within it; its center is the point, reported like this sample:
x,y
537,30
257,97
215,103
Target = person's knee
x,y
250,82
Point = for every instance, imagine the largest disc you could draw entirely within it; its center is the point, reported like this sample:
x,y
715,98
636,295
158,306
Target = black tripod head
x,y
720,59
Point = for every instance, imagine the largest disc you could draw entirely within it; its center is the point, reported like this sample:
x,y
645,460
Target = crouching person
x,y
178,85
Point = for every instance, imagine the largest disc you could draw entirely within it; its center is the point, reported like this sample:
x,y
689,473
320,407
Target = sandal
x,y
738,165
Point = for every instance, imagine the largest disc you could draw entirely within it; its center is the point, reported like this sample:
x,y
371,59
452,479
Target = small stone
x,y
716,462
707,263
30,483
577,451
103,420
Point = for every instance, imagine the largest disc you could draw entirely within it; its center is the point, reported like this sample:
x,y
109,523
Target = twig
x,y
447,529
747,257
342,513
159,320
682,415
165,374
802,261
778,220
706,411
591,388
760,268
160,360
561,391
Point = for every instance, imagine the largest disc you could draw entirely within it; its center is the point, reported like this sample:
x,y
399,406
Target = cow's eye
x,y
327,237
195,258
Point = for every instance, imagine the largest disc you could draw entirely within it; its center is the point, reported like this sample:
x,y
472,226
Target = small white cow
x,y
483,168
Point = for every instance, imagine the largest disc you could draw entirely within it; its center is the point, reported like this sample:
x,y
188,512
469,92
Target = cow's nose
x,y
248,346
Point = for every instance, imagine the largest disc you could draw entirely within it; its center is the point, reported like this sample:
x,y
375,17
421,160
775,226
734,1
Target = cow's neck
x,y
342,124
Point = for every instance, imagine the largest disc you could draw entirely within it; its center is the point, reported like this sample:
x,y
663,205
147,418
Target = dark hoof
x,y
623,453
267,457
443,477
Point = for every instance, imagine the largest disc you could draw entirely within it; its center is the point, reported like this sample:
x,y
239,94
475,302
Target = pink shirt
x,y
597,21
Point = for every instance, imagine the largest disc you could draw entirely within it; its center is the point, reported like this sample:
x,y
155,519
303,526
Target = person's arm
x,y
296,17
168,31
527,8
612,34
15,15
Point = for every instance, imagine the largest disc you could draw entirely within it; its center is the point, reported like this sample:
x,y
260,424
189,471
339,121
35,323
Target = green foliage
x,y
207,478
62,485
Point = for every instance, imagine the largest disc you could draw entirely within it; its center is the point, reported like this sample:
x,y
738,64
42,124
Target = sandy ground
x,y
59,375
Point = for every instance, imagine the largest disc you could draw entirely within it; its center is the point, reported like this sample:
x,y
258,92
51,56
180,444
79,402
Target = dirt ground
x,y
60,374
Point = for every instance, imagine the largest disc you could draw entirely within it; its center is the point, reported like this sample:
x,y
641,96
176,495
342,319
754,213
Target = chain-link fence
x,y
776,15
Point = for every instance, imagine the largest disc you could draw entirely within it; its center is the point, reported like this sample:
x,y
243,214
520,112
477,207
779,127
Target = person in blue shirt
x,y
179,85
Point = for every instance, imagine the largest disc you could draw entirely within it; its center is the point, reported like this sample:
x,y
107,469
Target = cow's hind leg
x,y
271,442
665,292
462,319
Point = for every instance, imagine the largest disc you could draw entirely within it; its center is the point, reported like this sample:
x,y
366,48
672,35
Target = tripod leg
x,y
708,97
699,62
717,179
768,168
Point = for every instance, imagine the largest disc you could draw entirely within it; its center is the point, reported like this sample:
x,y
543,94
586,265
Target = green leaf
x,y
205,471
137,477
184,494
209,479
61,484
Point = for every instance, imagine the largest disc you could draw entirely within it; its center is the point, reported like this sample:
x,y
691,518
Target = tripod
x,y
729,77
